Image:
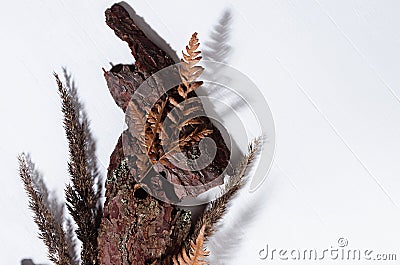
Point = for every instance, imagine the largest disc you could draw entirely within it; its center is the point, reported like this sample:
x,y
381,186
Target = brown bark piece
x,y
136,227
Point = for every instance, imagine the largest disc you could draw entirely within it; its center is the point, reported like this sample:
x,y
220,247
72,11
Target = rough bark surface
x,y
137,228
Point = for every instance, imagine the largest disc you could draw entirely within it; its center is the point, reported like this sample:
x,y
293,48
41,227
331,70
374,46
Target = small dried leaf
x,y
181,91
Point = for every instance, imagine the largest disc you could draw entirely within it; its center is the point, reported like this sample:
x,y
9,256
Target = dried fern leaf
x,y
154,125
136,121
189,71
182,91
196,254
196,135
154,131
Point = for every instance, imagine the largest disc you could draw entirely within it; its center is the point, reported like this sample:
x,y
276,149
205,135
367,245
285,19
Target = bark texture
x,y
137,228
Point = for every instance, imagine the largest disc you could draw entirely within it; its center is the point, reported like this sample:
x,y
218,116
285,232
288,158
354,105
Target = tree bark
x,y
137,228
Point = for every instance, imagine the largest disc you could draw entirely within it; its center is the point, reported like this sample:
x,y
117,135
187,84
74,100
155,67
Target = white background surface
x,y
328,69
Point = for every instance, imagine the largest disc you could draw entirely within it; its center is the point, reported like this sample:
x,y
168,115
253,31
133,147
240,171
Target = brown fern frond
x,y
142,127
46,216
192,109
217,208
175,146
154,127
140,130
189,71
196,135
173,102
194,122
81,195
137,122
196,254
